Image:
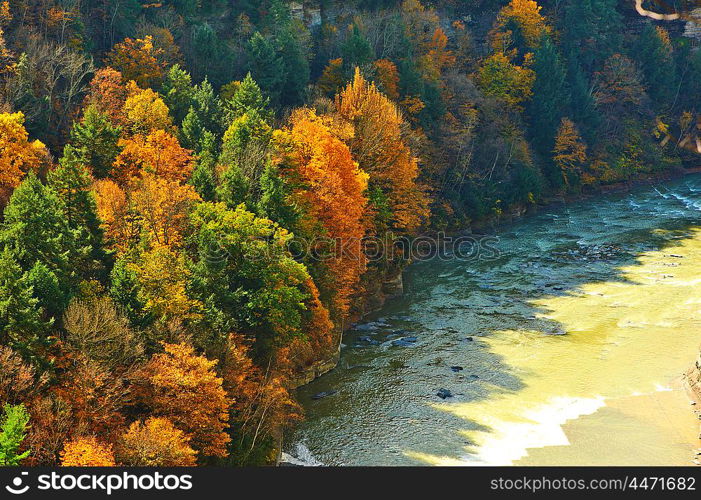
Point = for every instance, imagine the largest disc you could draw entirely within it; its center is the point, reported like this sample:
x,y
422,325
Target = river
x,y
567,349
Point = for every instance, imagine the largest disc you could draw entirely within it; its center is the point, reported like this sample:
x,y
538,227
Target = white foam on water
x,y
302,456
507,442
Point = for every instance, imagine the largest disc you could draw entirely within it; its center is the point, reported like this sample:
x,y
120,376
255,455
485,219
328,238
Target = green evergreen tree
x,y
658,67
248,97
13,430
94,141
72,182
549,101
36,229
178,92
22,326
266,67
357,50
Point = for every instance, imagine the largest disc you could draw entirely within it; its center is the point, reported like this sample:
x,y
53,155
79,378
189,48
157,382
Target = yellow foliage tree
x,y
18,155
570,153
87,452
508,82
145,112
155,443
163,206
525,16
163,276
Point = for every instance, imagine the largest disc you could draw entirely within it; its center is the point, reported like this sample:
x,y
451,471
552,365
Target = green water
x,y
581,330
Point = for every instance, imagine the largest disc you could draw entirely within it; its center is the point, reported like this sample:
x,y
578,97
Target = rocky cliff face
x,y
377,291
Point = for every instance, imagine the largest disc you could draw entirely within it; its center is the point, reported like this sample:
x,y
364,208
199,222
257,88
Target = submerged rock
x,y
444,393
405,342
323,394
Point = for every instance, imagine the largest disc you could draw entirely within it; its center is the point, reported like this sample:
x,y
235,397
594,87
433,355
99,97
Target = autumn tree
x,y
378,146
162,276
262,406
145,112
97,329
87,451
18,155
619,91
155,443
387,78
332,190
159,153
569,154
107,92
138,60
510,83
520,25
183,387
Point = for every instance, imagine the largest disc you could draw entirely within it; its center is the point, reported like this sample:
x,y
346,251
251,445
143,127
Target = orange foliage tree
x,y
387,78
158,153
379,148
87,452
138,60
108,94
184,387
331,188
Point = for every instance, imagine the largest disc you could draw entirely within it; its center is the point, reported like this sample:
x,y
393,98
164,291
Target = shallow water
x,y
580,331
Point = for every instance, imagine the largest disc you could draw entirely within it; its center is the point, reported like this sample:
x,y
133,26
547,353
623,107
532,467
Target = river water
x,y
567,349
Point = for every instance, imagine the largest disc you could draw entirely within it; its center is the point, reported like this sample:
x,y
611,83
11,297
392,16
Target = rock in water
x,y
324,394
444,393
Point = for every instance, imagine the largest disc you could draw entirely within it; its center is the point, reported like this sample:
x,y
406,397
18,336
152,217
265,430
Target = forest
x,y
161,161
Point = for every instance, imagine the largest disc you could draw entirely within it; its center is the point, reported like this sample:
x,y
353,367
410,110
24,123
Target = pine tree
x,y
72,182
549,101
178,92
13,430
654,55
247,97
94,141
266,67
22,326
36,229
